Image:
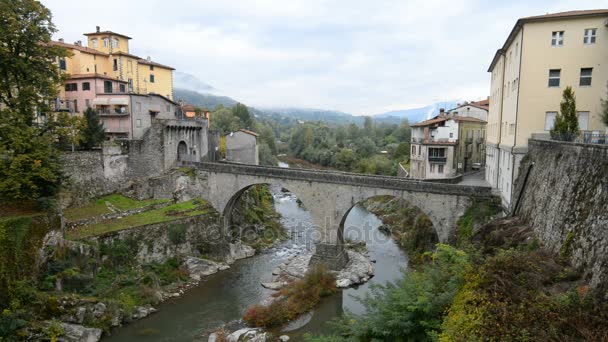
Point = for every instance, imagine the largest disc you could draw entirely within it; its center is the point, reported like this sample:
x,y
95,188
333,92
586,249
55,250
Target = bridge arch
x,y
403,207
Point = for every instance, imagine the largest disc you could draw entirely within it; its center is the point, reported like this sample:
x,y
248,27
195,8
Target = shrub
x,y
293,300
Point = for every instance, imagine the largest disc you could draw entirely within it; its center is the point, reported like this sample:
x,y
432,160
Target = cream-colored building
x,y
540,58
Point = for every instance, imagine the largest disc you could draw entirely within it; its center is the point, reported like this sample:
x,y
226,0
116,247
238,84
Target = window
x,y
123,88
130,84
107,87
440,168
432,168
589,37
451,135
115,42
554,77
115,68
106,42
86,86
557,38
437,152
87,103
75,105
550,120
71,87
62,64
138,122
419,150
94,43
151,78
585,77
151,67
511,129
413,150
583,121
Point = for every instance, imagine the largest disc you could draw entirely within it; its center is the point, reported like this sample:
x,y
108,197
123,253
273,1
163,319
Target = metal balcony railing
x,y
438,159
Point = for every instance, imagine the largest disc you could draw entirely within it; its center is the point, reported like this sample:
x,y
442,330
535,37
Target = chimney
x,y
61,40
97,27
78,43
441,111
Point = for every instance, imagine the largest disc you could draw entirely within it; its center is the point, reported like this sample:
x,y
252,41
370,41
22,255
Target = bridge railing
x,y
338,177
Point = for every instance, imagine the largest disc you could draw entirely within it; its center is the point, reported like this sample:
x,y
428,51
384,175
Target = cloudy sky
x,y
361,57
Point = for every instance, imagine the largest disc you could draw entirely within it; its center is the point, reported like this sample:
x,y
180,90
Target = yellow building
x,y
541,56
107,54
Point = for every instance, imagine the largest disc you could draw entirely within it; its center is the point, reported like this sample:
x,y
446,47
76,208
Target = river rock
x,y
239,251
143,311
358,270
80,312
198,268
117,318
99,310
284,338
79,333
274,285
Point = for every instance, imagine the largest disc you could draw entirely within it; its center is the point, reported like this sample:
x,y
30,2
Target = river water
x,y
224,296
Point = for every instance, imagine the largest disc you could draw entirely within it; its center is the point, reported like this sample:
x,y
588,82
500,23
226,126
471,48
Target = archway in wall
x,y
387,228
182,151
261,214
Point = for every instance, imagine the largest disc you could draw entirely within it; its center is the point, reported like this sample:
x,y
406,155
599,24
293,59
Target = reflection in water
x,y
223,297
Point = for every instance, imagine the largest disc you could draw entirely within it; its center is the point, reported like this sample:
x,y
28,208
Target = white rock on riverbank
x,y
198,268
79,333
358,270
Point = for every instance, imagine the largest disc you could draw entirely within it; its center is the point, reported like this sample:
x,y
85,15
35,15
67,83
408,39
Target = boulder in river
x,y
79,333
198,268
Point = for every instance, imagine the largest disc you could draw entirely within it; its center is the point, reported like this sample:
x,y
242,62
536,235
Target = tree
x,y
242,113
566,122
604,113
67,129
224,121
94,133
368,126
29,161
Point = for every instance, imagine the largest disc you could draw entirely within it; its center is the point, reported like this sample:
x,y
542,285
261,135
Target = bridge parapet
x,y
346,178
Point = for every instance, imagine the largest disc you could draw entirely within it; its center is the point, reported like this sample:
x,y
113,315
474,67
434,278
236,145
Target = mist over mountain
x,y
211,101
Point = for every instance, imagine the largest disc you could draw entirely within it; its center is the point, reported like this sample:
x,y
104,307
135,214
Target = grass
x,y
99,207
168,213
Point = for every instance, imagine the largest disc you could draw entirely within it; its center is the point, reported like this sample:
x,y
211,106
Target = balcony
x,y
442,160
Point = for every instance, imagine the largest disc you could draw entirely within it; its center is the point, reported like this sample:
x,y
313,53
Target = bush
x,y
293,300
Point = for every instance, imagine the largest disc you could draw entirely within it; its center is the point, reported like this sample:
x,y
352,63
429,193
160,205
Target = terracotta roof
x,y
483,103
108,33
145,61
431,121
249,132
549,16
92,75
125,54
472,104
78,47
466,118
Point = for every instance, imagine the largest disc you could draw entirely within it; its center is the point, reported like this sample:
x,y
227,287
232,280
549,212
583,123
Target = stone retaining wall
x,y
565,200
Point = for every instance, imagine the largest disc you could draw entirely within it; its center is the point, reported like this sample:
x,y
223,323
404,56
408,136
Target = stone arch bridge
x,y
330,195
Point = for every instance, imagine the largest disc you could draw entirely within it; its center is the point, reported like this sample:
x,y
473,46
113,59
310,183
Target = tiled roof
x,y
482,103
92,75
249,132
544,17
472,104
79,48
466,118
442,118
147,62
108,33
121,53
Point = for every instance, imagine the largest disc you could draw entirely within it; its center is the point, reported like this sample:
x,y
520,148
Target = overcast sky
x,y
361,57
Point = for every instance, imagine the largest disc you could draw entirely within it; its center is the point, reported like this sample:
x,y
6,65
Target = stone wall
x,y
93,173
565,200
196,236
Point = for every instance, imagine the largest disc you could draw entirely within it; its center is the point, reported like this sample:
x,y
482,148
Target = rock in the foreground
x,y
245,334
79,333
358,270
198,268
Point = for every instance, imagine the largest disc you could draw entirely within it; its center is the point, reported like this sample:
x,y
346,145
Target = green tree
x,y
604,113
368,126
29,161
241,112
224,121
566,122
94,133
67,129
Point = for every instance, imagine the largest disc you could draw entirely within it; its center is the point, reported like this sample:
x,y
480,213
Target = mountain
x,y
208,101
308,114
415,114
184,80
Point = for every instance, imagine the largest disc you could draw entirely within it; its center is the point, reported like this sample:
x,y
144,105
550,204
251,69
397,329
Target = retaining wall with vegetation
x,y
565,201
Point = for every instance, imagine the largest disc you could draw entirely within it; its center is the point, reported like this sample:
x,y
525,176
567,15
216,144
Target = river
x,y
223,297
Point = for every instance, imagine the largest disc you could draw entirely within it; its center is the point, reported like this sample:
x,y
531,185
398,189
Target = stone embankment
x,y
562,193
